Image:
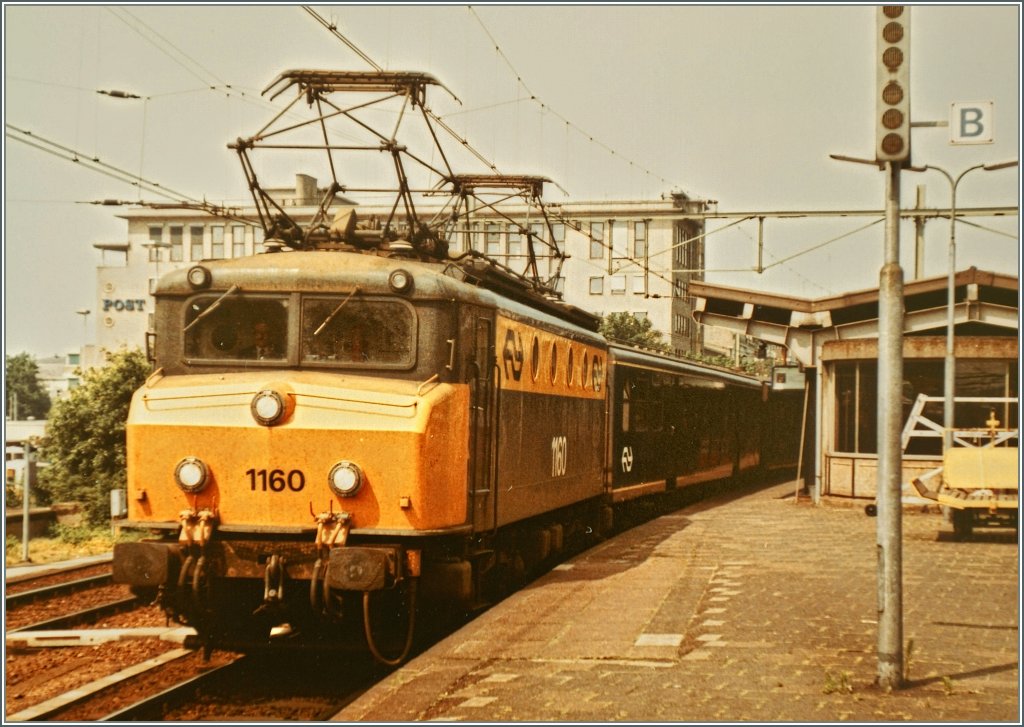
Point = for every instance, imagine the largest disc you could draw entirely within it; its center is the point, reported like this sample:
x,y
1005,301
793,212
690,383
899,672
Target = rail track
x,y
177,685
62,603
91,614
56,573
28,595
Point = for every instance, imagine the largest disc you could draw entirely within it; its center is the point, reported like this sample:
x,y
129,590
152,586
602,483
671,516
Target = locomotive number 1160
x,y
559,456
275,480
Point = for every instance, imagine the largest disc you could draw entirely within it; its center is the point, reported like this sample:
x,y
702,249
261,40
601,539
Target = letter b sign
x,y
970,123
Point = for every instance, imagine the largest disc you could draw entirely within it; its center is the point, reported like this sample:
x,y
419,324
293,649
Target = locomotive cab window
x,y
351,331
231,326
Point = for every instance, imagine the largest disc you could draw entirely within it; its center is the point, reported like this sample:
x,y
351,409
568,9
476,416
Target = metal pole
x,y
803,431
949,368
890,462
26,492
919,235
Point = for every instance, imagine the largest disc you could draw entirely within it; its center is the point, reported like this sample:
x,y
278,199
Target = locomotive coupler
x,y
196,527
196,531
332,529
273,580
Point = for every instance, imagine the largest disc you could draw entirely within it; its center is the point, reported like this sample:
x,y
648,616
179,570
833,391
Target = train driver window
x,y
232,327
351,331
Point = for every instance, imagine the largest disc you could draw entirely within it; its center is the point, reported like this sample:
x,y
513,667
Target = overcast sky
x,y
739,104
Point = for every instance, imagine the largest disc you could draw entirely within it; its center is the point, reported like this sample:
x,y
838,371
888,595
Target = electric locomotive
x,y
329,435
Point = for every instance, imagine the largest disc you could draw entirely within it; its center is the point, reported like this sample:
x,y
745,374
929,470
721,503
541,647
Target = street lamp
x,y
949,375
84,312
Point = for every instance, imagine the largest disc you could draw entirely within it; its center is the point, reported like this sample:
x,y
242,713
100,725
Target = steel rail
x,y
86,615
15,600
154,707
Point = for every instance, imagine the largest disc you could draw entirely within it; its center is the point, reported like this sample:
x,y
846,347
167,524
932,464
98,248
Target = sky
x,y
742,104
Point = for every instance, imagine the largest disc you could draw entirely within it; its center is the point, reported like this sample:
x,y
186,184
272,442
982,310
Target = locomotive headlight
x,y
191,475
400,281
267,407
345,478
199,277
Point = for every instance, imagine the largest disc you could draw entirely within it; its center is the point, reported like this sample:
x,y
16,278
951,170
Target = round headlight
x,y
400,281
191,474
345,478
267,407
199,277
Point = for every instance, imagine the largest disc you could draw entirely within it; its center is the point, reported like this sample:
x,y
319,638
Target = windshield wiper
x,y
213,306
335,312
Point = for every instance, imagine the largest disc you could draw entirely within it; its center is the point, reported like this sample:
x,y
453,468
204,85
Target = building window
x,y
596,240
537,233
152,286
156,238
856,387
620,245
640,315
217,241
177,243
597,286
558,232
493,238
640,240
639,284
257,240
618,284
678,245
538,244
237,240
515,241
195,238
856,400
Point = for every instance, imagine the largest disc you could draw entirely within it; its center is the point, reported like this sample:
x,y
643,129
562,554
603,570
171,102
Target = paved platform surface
x,y
758,608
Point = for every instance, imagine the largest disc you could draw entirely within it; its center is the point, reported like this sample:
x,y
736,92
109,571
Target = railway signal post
x,y
893,150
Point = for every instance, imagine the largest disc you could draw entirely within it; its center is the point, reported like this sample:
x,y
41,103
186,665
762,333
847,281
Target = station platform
x,y
757,607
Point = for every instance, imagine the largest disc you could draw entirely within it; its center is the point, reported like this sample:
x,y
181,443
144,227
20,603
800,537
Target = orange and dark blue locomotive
x,y
329,436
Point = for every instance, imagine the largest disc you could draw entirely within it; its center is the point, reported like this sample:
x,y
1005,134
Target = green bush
x,y
85,436
78,534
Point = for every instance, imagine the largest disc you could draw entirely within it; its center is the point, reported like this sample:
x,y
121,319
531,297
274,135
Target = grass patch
x,y
66,542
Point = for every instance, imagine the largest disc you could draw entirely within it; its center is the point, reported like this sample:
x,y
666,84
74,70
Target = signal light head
x,y
893,33
892,119
892,116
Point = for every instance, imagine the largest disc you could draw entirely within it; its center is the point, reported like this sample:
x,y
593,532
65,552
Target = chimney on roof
x,y
305,191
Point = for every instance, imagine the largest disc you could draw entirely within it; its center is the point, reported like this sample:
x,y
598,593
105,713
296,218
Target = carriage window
x,y
352,331
233,326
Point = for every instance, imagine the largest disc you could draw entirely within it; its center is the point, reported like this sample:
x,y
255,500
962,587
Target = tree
x,y
632,331
85,435
26,397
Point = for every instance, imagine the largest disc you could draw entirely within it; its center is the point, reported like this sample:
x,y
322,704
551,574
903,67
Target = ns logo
x,y
512,355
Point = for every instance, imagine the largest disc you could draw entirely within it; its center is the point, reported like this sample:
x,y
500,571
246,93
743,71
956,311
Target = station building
x,y
634,256
835,341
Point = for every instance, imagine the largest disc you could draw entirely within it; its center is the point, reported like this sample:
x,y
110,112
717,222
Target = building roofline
x,y
703,289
